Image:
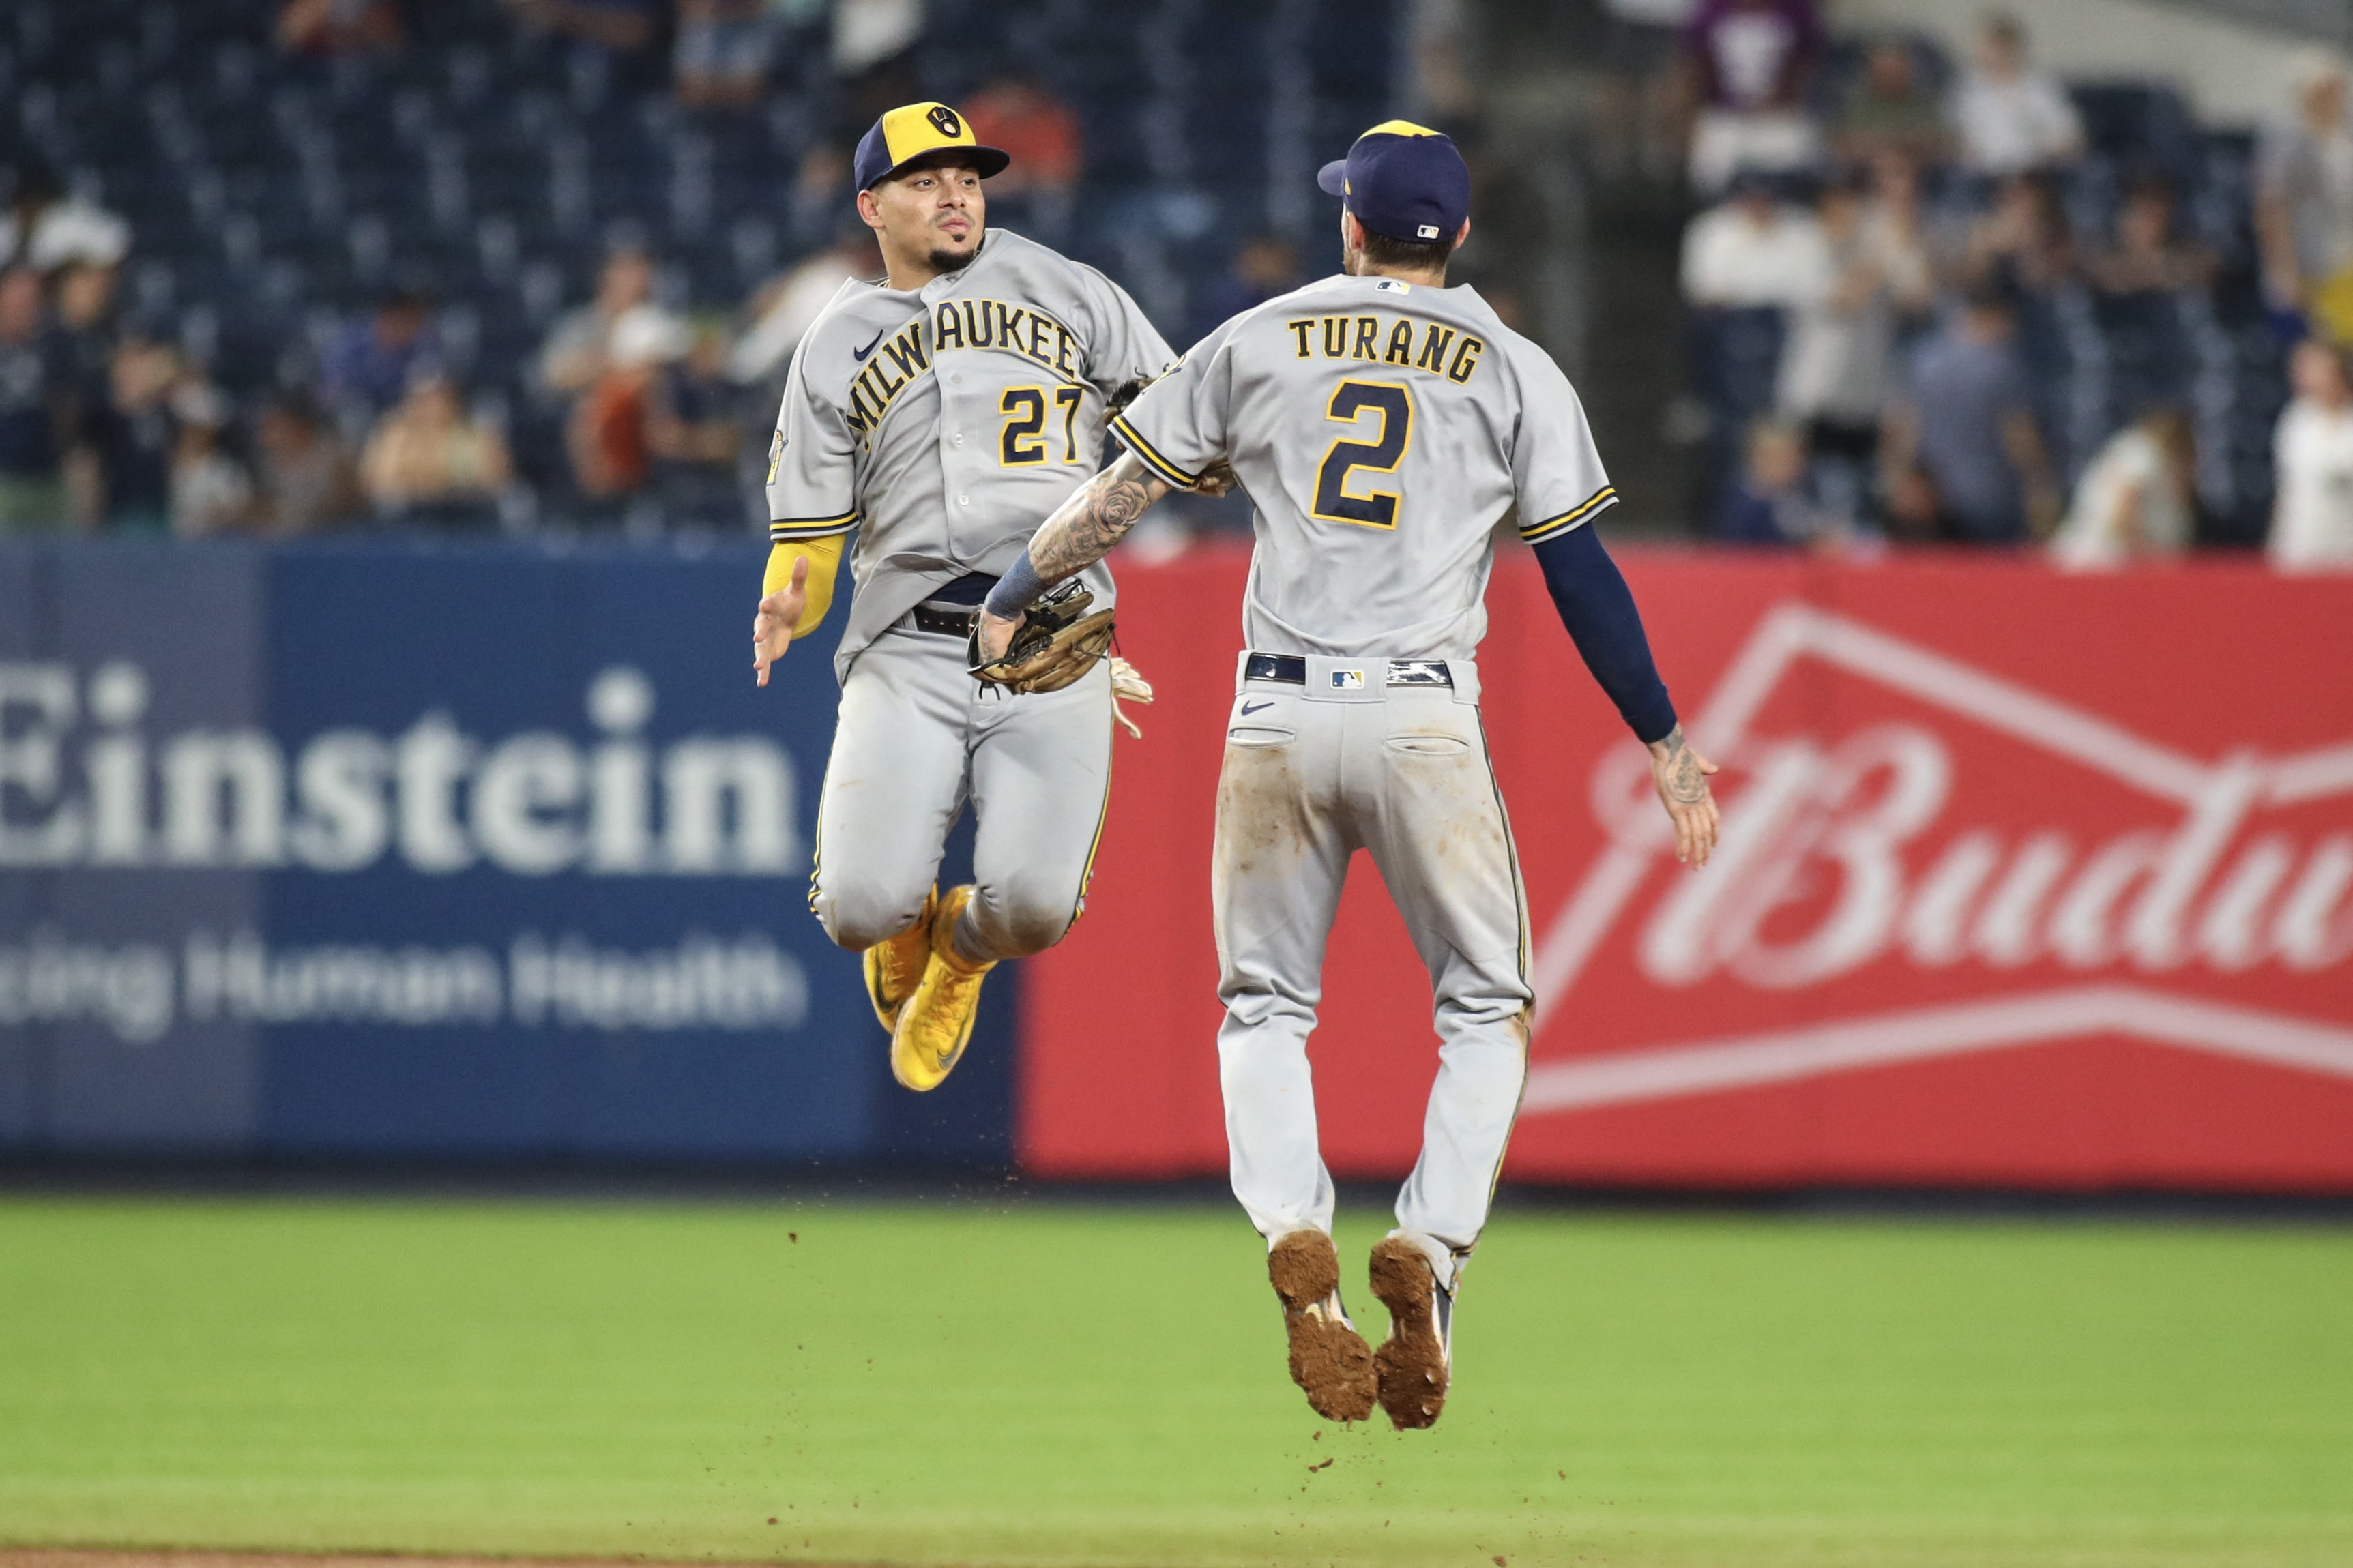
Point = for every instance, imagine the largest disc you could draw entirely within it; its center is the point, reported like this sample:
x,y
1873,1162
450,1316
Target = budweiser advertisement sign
x,y
2027,880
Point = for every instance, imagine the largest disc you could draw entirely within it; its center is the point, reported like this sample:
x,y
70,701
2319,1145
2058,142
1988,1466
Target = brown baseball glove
x,y
1056,642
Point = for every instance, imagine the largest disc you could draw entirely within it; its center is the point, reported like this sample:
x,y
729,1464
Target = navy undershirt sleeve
x,y
1597,608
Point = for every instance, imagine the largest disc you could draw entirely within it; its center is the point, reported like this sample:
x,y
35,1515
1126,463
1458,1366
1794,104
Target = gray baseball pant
x,y
918,737
1313,774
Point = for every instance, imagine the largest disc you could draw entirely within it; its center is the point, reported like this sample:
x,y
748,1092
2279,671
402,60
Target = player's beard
x,y
944,260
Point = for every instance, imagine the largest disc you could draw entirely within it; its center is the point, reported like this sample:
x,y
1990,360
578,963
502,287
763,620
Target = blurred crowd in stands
x,y
1928,310
109,421
1927,298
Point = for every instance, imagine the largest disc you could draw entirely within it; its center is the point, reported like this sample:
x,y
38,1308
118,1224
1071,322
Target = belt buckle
x,y
1419,672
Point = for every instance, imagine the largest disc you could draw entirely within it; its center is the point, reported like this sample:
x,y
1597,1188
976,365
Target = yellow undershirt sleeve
x,y
825,561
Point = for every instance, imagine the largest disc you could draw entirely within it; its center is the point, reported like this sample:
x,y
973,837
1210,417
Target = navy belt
x,y
947,622
1291,670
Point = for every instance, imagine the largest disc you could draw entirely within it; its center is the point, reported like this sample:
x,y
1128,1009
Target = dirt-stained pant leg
x,y
892,787
1040,781
1424,794
1280,858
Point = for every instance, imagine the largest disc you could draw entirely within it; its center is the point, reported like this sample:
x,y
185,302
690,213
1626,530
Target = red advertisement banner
x,y
2027,880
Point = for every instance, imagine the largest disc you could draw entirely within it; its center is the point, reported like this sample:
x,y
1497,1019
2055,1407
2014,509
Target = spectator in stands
x,y
1438,46
367,365
1910,510
720,58
1770,503
1898,228
616,26
609,433
133,436
1747,65
1637,109
1014,112
870,41
577,348
2312,516
1753,249
85,312
307,481
211,492
1838,361
1262,269
783,308
2137,498
1964,420
430,461
2148,257
2022,243
692,437
35,408
1885,109
85,298
2009,118
2303,201
45,228
326,27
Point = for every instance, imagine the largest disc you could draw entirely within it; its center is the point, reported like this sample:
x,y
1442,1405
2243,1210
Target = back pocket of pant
x,y
1434,744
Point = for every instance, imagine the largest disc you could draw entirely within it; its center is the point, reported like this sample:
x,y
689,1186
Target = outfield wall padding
x,y
484,852
2028,881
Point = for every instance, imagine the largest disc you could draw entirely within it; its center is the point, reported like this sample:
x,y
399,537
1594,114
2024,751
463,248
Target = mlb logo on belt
x,y
1347,681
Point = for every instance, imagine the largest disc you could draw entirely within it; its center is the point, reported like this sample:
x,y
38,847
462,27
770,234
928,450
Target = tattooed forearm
x,y
1084,528
1685,784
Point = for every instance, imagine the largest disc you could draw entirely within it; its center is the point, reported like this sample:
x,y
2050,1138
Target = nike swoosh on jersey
x,y
1251,707
859,354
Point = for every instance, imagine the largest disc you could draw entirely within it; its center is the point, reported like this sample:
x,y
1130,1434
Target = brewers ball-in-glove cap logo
x,y
915,130
1403,179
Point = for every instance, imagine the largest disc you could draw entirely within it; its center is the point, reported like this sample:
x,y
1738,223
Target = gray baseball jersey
x,y
1382,429
942,423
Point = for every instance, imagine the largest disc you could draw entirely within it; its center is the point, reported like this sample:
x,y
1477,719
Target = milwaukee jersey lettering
x,y
942,424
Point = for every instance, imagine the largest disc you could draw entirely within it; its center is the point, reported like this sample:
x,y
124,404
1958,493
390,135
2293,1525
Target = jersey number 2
x,y
1022,441
1351,400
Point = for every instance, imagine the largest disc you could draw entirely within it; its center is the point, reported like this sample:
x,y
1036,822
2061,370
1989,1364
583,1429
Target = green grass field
x,y
1058,1383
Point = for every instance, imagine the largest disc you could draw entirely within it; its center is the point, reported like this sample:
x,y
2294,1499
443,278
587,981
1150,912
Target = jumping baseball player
x,y
937,415
1383,424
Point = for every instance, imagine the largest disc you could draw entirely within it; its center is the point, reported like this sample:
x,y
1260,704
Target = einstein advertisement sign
x,y
478,851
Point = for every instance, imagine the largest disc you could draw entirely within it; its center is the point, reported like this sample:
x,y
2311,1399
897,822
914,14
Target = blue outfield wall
x,y
431,852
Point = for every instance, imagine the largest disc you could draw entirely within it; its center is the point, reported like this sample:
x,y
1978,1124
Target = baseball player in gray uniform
x,y
1383,424
938,415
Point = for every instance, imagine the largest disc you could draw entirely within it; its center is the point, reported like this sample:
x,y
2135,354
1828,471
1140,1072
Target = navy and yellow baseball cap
x,y
915,130
1403,179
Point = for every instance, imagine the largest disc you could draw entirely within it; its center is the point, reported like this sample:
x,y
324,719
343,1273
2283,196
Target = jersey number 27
x,y
1351,402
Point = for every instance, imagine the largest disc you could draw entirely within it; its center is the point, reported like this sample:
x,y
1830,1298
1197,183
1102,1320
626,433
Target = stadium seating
x,y
271,197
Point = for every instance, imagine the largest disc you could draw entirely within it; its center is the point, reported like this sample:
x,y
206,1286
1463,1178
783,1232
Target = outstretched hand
x,y
1681,775
772,627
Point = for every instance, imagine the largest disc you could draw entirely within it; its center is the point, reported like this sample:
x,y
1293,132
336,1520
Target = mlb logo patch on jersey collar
x,y
1347,681
1395,285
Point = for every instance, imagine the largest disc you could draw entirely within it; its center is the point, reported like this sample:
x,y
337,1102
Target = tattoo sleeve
x,y
1098,516
1686,786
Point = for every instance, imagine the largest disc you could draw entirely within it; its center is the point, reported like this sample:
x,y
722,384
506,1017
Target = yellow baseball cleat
x,y
936,1024
894,966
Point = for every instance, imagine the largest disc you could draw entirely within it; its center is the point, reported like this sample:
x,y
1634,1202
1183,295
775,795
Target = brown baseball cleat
x,y
1413,1367
1329,1359
894,966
